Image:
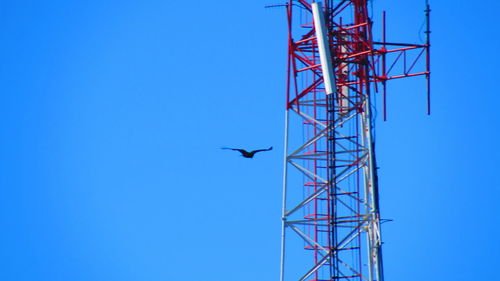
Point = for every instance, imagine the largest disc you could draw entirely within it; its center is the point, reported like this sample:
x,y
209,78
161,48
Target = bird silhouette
x,y
248,154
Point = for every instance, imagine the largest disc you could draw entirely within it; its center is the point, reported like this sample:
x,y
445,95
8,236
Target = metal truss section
x,y
334,70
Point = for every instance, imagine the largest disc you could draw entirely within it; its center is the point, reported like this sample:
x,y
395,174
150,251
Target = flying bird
x,y
248,154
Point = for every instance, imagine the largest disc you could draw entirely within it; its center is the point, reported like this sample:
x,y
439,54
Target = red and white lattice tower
x,y
330,190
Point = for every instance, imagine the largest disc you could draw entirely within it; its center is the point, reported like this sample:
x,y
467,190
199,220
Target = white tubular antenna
x,y
324,48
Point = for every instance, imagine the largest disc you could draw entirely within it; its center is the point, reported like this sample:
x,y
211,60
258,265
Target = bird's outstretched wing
x,y
259,150
242,151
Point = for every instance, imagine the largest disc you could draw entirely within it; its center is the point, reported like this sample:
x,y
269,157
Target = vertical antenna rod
x,y
428,53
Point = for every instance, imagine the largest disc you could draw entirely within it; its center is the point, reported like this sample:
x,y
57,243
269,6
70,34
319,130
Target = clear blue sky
x,y
112,114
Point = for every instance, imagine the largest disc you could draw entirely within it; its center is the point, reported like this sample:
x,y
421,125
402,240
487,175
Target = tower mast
x,y
335,68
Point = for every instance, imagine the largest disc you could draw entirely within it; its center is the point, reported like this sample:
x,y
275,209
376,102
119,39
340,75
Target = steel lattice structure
x,y
334,69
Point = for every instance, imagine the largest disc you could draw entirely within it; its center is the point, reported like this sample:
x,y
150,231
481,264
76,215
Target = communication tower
x,y
330,186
